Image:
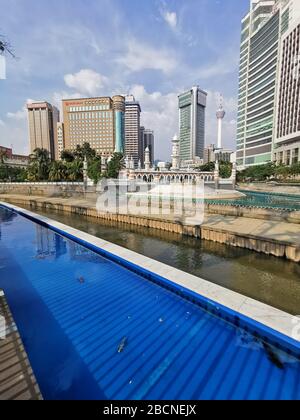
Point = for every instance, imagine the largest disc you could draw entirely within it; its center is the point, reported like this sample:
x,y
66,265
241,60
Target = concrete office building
x,y
97,121
43,119
287,129
133,140
264,30
212,153
147,137
60,140
192,105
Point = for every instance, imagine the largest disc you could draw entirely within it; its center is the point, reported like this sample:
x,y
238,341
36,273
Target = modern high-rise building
x,y
97,121
147,137
133,140
192,105
60,140
287,128
264,30
257,83
119,111
43,119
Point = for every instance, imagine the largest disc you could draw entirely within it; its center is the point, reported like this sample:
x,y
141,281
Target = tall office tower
x,y
287,137
262,30
148,142
133,141
142,130
192,106
43,119
60,140
119,110
97,121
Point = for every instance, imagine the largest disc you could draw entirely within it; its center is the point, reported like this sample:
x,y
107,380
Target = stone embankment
x,y
280,238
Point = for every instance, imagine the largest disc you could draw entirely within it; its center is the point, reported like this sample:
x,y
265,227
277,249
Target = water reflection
x,y
5,217
49,245
268,279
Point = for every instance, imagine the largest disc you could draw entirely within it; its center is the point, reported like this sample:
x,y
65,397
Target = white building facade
x,y
287,136
262,103
133,141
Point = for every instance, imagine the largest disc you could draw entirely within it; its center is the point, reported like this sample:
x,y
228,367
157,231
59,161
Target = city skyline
x,y
132,63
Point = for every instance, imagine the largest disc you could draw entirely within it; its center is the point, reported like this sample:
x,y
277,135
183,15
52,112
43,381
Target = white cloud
x,y
21,114
144,57
57,98
159,113
16,135
227,63
170,18
2,123
18,115
86,81
229,122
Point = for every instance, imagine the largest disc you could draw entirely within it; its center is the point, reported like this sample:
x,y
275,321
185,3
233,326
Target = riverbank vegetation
x,y
69,169
270,172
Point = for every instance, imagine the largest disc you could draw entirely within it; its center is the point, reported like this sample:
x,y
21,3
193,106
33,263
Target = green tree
x,y
3,172
225,170
39,165
3,156
67,156
75,171
85,151
258,173
12,174
58,171
295,169
282,171
115,165
94,169
208,167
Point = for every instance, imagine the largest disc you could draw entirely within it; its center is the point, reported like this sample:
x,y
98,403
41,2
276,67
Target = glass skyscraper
x,y
259,58
192,105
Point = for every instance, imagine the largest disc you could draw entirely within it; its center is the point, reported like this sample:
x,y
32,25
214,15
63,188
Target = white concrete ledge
x,y
270,317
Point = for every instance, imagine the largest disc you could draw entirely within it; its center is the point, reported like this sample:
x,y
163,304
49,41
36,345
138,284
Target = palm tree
x,y
41,160
67,156
57,171
85,151
115,165
75,171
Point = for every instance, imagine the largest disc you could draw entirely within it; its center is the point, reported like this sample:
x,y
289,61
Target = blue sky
x,y
154,49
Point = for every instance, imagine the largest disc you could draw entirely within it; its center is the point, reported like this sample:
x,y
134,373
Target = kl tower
x,y
220,116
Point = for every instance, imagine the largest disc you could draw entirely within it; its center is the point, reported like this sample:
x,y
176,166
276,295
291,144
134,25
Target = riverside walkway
x,y
17,381
279,238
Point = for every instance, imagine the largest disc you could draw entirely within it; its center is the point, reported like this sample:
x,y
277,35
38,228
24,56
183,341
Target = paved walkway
x,y
288,233
17,381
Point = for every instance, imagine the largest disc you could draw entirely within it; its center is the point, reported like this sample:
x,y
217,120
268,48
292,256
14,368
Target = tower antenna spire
x,y
220,116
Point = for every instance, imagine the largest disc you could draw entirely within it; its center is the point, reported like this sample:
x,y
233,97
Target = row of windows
x,y
89,108
263,64
255,105
266,30
266,70
263,84
90,116
262,91
264,48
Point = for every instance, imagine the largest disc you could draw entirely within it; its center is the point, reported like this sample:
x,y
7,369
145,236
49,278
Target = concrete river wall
x,y
281,239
